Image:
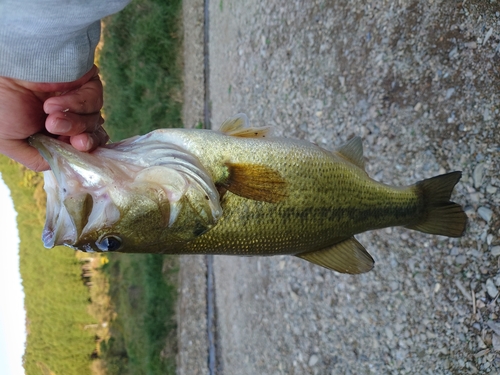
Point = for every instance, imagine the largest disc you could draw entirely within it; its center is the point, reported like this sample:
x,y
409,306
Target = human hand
x,y
69,110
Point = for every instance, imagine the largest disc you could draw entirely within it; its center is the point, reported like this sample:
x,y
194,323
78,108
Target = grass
x,y
141,67
132,300
56,298
143,336
124,322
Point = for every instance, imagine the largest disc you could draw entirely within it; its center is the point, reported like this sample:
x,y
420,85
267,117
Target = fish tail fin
x,y
440,216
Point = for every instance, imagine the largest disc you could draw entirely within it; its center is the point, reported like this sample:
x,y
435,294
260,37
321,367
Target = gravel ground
x,y
192,303
419,81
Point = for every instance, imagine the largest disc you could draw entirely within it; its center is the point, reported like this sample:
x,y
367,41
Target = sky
x,y
12,314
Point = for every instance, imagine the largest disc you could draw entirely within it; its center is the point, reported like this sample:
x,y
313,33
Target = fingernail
x,y
62,126
51,108
88,143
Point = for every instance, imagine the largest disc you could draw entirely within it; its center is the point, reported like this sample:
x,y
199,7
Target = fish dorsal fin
x,y
353,151
256,182
348,256
238,126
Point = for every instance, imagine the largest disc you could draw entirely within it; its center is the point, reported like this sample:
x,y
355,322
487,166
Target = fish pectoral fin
x,y
238,126
256,182
353,152
348,256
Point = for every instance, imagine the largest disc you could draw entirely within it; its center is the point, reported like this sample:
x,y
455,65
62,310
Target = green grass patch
x,y
143,336
130,307
141,66
140,62
56,298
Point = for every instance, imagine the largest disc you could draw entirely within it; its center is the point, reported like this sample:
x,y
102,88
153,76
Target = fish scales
x,y
329,198
236,191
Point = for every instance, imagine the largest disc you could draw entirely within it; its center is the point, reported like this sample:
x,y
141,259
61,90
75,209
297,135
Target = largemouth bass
x,y
236,191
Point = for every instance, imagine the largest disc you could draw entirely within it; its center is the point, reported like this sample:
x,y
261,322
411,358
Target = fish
x,y
235,191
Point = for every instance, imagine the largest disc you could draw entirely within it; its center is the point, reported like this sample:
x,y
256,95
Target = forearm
x,y
50,41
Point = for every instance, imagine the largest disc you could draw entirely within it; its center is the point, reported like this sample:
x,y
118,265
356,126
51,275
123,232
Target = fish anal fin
x,y
348,256
238,126
353,152
441,216
256,182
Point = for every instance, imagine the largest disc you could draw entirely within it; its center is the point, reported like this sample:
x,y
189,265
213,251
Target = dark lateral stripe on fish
x,y
378,217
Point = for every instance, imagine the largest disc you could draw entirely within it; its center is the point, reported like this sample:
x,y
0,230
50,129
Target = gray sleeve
x,y
51,40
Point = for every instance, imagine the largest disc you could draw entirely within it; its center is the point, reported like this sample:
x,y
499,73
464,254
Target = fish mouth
x,y
64,160
88,192
70,185
47,147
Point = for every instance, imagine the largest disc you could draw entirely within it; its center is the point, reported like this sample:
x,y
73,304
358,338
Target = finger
x,y
68,123
84,100
22,152
89,141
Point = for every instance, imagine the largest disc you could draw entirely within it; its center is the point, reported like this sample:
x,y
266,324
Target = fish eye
x,y
109,243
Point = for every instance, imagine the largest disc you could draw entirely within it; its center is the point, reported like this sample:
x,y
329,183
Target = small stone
x,y
481,353
491,288
488,35
453,53
449,93
490,189
495,340
480,343
472,368
495,327
485,213
495,251
474,198
313,360
437,287
478,175
446,364
489,239
394,285
462,289
486,114
389,333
